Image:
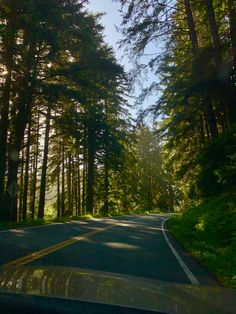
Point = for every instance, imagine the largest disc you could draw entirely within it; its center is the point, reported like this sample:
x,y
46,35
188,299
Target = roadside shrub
x,y
217,163
208,231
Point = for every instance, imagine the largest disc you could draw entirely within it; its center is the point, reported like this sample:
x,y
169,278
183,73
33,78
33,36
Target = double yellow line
x,y
36,255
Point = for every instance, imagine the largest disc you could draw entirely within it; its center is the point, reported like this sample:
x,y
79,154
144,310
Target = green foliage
x,y
143,182
217,165
196,97
209,232
65,71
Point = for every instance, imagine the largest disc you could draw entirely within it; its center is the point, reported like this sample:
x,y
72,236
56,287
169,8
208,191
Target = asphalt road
x,y
132,245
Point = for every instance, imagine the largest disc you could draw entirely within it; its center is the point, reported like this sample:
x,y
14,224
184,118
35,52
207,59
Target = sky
x,y
110,20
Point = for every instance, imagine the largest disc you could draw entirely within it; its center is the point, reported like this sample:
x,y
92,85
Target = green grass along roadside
x,y
40,222
208,232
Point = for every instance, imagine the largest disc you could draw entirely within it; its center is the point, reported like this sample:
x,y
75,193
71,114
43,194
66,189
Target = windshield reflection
x,y
81,284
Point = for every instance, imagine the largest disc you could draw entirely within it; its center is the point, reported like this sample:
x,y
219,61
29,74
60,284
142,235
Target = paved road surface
x,y
131,245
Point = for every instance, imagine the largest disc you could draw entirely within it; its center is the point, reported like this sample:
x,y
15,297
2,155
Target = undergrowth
x,y
208,231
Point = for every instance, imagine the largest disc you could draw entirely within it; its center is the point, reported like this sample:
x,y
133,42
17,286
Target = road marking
x,y
185,268
36,255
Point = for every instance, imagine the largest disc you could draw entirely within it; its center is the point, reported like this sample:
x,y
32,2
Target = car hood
x,y
116,289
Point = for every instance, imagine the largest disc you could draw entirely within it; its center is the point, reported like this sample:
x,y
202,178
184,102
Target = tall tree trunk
x,y
91,160
206,125
202,131
34,173
210,115
191,26
84,173
63,182
22,157
58,192
73,185
228,101
69,183
214,33
23,108
26,181
232,23
44,167
17,136
106,186
78,189
4,123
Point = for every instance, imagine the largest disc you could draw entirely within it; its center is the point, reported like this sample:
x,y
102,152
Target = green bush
x,y
208,231
217,164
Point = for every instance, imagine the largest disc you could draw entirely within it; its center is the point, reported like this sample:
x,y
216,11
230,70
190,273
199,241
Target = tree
x,y
195,74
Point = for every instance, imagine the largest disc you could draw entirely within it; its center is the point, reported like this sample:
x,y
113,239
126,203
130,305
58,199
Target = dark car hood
x,y
109,288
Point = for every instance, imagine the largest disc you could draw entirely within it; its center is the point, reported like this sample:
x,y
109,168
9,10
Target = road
x,y
132,245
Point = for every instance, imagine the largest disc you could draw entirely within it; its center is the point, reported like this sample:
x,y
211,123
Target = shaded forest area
x,y
68,146
196,70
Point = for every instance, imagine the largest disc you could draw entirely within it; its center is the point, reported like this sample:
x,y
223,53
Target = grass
x,y
208,231
135,212
49,220
30,223
40,222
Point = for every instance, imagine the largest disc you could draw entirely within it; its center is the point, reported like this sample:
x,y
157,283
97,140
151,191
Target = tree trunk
x,y
228,101
58,192
63,182
26,181
191,26
73,185
90,179
34,173
210,115
23,108
20,205
214,33
4,123
106,186
84,174
78,189
232,23
69,184
44,167
17,137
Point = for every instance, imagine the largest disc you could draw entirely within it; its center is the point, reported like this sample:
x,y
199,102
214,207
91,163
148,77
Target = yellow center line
x,y
36,255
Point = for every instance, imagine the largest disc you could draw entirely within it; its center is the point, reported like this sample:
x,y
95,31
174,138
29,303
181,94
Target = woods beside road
x,y
69,146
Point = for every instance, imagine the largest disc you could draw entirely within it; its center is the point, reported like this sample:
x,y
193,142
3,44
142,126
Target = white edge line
x,y
185,268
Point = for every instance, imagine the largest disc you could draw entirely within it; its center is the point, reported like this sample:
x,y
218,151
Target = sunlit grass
x,y
50,218
208,231
28,223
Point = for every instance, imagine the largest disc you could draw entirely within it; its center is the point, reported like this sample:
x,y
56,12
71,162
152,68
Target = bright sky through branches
x,y
111,20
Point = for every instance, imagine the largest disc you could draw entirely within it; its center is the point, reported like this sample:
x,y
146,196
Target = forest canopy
x,y
68,144
195,65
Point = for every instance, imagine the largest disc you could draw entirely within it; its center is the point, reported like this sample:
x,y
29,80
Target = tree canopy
x,y
66,137
195,64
